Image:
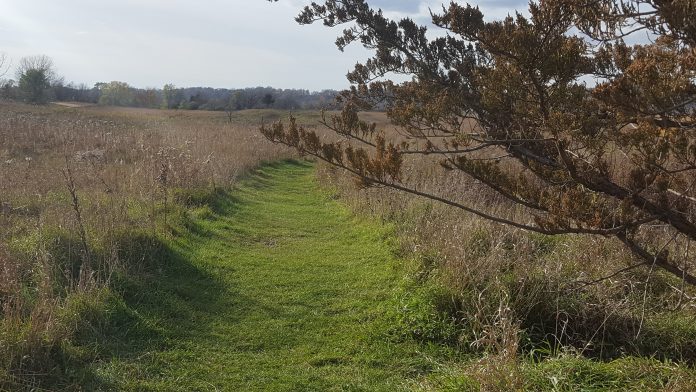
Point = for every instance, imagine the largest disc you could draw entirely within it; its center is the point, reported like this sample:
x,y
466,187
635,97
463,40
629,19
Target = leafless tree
x,y
41,63
4,64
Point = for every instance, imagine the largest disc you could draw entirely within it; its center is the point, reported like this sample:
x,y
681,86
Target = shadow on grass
x,y
587,324
167,297
551,322
218,200
667,337
264,176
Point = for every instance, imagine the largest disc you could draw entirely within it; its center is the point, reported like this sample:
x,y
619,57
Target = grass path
x,y
277,287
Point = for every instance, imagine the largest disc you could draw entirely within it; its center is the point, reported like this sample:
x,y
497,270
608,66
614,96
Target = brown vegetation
x,y
83,197
552,291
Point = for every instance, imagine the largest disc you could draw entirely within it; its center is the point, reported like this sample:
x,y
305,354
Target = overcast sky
x,y
216,43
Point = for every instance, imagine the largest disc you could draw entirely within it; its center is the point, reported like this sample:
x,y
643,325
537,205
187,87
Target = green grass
x,y
273,286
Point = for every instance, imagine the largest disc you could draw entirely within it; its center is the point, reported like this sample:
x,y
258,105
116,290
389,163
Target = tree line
x,y
37,82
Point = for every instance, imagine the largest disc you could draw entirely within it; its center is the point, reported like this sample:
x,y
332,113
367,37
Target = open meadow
x,y
148,249
206,196
86,195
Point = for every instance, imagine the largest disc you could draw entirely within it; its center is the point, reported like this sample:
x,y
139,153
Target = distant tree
x,y
148,98
65,92
35,76
41,63
34,86
79,93
6,85
92,95
286,102
116,94
8,89
268,100
205,98
4,64
249,98
171,97
506,103
233,104
195,101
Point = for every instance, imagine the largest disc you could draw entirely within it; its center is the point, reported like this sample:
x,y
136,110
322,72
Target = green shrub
x,y
424,313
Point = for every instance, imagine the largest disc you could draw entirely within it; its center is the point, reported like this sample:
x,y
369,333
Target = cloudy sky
x,y
217,43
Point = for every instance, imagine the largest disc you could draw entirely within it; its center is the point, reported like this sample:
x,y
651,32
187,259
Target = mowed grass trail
x,y
276,287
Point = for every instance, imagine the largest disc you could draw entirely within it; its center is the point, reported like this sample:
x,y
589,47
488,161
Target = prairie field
x,y
149,249
348,195
85,194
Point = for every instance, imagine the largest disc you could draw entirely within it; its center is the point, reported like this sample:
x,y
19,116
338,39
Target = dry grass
x,y
514,293
116,155
58,248
509,294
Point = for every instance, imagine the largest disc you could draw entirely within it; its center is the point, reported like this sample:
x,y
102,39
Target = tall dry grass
x,y
509,293
79,189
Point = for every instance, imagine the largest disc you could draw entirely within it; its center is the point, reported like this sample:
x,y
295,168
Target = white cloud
x,y
219,43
